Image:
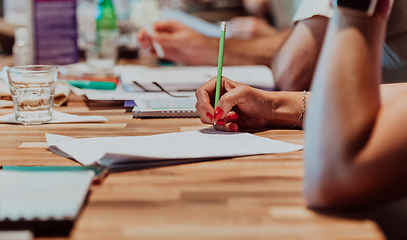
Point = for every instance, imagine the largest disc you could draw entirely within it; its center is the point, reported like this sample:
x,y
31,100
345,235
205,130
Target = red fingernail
x,y
382,8
210,116
221,122
218,113
233,116
233,128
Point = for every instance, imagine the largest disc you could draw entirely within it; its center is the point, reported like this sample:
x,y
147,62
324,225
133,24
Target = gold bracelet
x,y
304,102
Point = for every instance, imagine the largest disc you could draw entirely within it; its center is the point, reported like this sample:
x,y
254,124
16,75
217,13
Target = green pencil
x,y
220,62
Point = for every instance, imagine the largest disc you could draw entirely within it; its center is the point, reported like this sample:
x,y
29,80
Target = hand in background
x,y
180,43
144,39
249,27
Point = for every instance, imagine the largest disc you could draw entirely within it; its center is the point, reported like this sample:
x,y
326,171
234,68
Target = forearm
x,y
389,92
287,106
345,102
294,65
257,51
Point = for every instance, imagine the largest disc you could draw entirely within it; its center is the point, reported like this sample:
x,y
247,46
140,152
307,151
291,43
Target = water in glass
x,y
32,89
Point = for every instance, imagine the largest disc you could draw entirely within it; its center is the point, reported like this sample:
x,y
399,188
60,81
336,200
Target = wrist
x,y
286,109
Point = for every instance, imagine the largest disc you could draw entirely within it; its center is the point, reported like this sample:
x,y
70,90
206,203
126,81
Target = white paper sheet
x,y
53,139
42,195
58,117
190,78
201,144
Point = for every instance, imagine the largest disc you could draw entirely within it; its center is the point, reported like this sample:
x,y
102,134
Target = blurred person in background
x,y
294,66
252,41
182,44
294,62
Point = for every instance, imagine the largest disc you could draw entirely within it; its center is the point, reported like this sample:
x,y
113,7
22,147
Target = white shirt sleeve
x,y
310,8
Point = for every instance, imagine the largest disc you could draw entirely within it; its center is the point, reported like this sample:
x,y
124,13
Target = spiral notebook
x,y
161,104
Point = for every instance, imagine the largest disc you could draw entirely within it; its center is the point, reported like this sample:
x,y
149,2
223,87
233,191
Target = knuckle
x,y
198,93
226,98
198,106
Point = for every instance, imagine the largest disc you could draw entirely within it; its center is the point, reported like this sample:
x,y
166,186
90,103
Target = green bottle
x,y
107,35
105,16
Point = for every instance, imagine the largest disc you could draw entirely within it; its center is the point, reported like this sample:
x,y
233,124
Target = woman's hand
x,y
242,106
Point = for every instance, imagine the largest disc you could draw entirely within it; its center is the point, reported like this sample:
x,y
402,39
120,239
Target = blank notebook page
x,y
42,195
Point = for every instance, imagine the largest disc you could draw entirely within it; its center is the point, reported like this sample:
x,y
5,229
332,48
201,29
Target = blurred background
x,y
14,14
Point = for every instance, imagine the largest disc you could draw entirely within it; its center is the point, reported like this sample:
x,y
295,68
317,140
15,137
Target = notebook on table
x,y
46,203
161,104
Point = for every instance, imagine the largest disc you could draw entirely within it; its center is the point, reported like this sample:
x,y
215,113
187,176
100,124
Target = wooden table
x,y
257,197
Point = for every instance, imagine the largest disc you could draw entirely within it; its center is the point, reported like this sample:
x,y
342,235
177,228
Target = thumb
x,y
232,98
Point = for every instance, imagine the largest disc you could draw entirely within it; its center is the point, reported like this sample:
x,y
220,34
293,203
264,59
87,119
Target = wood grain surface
x,y
257,197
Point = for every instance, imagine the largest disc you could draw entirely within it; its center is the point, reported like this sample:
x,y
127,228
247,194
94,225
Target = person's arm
x,y
355,153
253,108
249,27
257,51
294,65
185,45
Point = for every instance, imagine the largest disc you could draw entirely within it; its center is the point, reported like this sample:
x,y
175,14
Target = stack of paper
x,y
123,153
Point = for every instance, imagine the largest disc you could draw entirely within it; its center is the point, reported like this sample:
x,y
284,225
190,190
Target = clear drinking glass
x,y
32,90
102,55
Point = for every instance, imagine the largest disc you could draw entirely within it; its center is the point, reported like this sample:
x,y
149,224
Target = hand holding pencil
x,y
222,115
240,106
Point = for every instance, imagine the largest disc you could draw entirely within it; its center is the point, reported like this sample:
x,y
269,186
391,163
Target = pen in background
x,y
220,62
147,25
